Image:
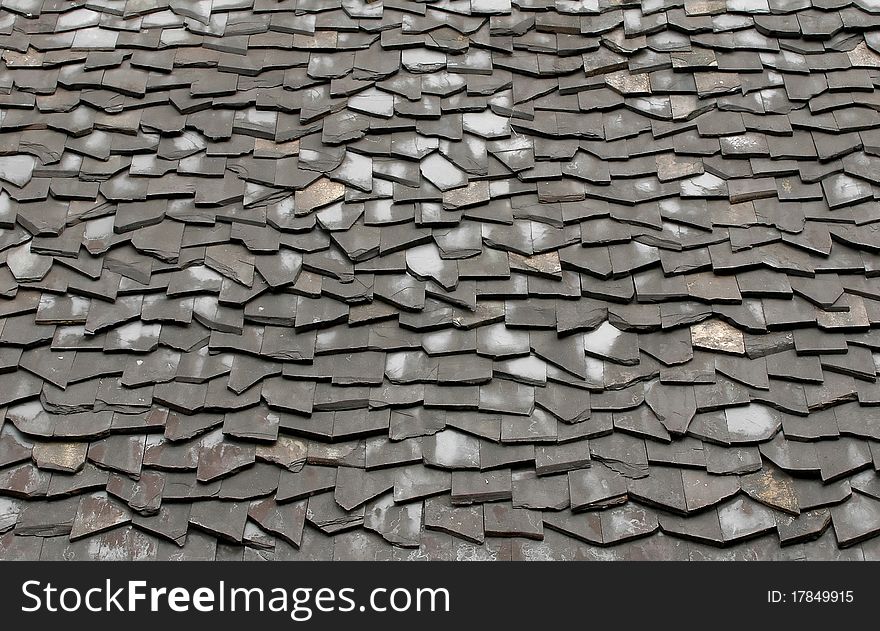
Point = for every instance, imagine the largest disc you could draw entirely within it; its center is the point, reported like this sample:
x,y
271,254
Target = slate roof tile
x,y
606,258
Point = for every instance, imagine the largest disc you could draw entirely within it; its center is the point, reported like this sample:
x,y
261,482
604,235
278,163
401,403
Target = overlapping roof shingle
x,y
458,279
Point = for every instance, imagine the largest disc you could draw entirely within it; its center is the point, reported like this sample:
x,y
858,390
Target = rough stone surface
x,y
470,279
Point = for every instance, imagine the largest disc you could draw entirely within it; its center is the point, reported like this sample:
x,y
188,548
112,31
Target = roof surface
x,y
451,280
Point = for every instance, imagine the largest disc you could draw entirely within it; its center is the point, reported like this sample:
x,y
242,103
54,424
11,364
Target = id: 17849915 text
x,y
811,596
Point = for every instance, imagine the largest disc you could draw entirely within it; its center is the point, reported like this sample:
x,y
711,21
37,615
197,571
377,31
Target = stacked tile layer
x,y
463,279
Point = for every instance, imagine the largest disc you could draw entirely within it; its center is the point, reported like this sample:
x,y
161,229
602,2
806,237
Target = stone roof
x,y
451,279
